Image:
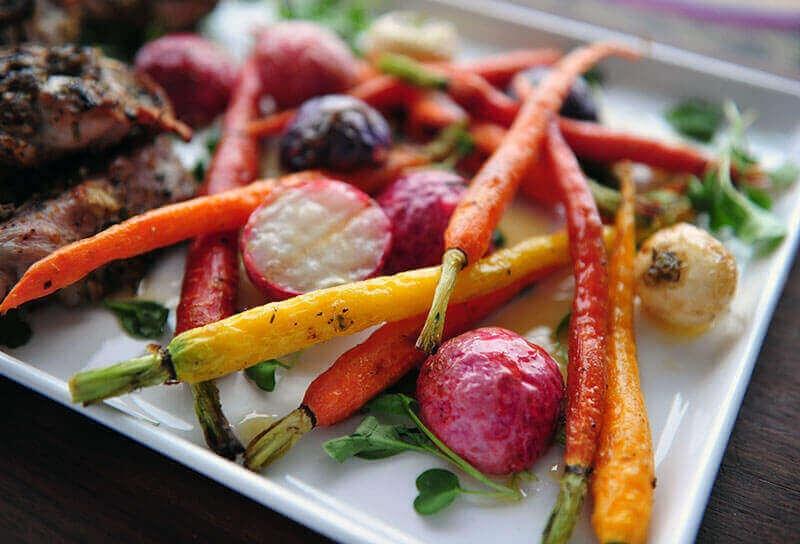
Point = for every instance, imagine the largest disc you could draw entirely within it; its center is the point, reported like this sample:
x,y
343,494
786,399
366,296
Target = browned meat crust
x,y
61,100
166,14
131,183
49,22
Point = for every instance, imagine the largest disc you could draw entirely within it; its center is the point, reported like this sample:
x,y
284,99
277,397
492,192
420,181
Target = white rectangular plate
x,y
693,388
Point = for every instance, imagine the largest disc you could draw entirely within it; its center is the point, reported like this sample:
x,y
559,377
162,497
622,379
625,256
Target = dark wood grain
x,y
67,479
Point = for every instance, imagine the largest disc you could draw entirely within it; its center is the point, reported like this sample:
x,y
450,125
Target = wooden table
x,y
67,479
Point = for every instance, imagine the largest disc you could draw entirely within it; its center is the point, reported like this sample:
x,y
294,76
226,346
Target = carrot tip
x,y
431,336
571,493
274,441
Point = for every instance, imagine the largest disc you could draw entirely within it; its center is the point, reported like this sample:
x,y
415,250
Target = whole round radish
x,y
335,131
196,74
298,60
492,397
420,204
312,235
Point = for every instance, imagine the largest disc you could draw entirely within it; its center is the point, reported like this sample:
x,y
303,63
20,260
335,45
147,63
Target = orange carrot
x,y
499,69
374,180
470,229
140,234
380,91
364,371
623,478
433,109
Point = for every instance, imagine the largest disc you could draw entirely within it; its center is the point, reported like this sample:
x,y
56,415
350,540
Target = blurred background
x,y
763,34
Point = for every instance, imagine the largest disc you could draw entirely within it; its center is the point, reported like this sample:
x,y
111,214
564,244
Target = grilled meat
x,y
49,22
146,177
60,100
166,14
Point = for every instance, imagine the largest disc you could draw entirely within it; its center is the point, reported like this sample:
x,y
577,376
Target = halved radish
x,y
314,235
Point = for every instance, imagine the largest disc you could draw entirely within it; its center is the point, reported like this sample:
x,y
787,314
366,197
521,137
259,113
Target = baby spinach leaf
x,y
14,331
438,488
140,318
696,119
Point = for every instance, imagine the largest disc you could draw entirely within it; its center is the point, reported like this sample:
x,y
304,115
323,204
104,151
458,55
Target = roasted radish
x,y
492,397
314,235
420,204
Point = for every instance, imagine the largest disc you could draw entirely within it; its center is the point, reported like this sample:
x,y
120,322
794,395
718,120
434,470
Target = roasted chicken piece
x,y
48,22
59,100
110,190
164,14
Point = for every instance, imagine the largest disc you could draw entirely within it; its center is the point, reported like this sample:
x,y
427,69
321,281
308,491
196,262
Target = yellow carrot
x,y
623,479
279,328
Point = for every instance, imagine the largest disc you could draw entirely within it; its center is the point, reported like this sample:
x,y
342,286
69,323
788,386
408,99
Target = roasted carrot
x,y
433,110
500,68
211,275
141,234
623,479
283,327
381,92
471,225
587,336
361,373
373,180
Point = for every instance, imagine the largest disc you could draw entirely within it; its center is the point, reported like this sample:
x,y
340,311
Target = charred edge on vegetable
x,y
665,267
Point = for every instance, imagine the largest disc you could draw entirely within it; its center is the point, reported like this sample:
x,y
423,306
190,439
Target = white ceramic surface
x,y
693,388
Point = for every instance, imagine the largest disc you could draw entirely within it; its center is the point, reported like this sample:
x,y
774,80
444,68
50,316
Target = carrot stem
x,y
98,384
571,492
431,336
411,71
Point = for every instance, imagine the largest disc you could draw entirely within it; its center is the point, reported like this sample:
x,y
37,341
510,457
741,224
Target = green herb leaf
x,y
438,488
263,373
784,175
560,352
14,331
199,171
696,119
140,318
394,404
372,440
411,71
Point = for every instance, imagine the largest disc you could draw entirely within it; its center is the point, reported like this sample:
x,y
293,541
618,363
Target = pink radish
x,y
492,397
314,235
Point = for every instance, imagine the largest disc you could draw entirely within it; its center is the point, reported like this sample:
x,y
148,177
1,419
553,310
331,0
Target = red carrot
x,y
211,277
587,336
469,233
499,69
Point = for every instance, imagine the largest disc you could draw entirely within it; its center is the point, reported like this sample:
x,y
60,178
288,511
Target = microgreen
x,y
695,119
375,440
263,374
14,331
140,318
725,204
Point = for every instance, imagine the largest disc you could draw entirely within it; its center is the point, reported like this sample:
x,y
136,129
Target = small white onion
x,y
414,34
685,277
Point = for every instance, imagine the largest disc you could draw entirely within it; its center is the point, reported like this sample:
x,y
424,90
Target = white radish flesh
x,y
314,235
